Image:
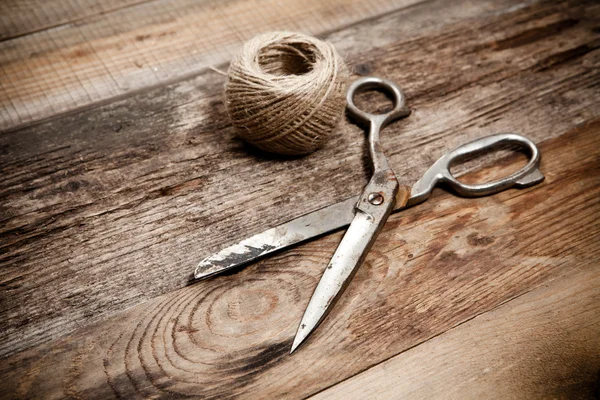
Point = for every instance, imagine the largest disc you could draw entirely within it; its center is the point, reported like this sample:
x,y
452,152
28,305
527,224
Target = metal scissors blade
x,y
340,215
305,227
350,253
372,209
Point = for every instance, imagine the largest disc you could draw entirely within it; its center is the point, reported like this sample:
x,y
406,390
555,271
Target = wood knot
x,y
475,240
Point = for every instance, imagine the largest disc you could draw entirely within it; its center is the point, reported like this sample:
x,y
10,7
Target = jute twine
x,y
285,92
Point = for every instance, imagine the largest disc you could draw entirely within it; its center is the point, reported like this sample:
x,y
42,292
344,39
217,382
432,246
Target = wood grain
x,y
107,208
146,44
19,17
544,344
432,268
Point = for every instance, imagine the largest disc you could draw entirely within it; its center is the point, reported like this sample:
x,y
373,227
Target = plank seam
x,y
545,284
74,21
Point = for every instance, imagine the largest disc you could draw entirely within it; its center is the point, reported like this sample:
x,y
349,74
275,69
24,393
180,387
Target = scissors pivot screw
x,y
375,199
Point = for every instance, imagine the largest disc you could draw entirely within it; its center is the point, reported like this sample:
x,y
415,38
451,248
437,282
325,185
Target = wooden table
x,y
120,171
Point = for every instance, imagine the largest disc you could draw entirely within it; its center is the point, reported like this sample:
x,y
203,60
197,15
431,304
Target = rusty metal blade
x,y
343,265
303,228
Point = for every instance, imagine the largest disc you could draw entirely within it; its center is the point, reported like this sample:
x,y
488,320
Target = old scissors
x,y
367,213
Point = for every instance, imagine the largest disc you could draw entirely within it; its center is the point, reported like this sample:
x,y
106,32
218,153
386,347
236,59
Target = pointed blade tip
x,y
296,343
203,276
200,272
300,337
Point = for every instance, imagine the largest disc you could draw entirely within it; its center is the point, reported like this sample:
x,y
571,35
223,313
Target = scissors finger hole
x,y
387,91
374,100
490,165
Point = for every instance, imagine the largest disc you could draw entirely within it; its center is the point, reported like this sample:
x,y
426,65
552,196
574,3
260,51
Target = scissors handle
x,y
376,122
527,176
371,82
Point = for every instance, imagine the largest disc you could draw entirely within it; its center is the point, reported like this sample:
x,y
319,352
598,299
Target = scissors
x,y
367,213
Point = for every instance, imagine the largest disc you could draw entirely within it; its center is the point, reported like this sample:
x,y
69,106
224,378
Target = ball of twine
x,y
286,92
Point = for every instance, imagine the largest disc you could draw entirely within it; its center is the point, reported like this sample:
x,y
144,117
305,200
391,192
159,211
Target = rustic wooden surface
x,y
543,344
77,56
108,201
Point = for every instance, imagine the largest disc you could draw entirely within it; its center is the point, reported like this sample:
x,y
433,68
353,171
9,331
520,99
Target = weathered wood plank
x,y
544,344
433,267
19,17
112,206
147,44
